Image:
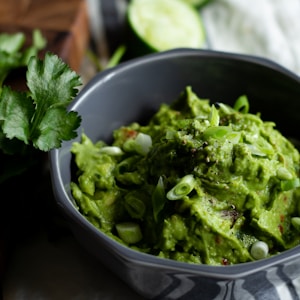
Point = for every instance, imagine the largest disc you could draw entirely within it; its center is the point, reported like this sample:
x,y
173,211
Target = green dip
x,y
200,183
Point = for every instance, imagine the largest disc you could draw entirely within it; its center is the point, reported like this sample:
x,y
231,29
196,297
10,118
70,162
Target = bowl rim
x,y
125,253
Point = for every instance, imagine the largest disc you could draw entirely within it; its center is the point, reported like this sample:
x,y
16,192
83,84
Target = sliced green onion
x,y
255,150
214,117
259,250
182,188
134,205
141,144
111,150
242,104
116,57
283,174
287,185
129,232
126,165
216,132
296,223
225,108
145,143
234,137
127,173
158,198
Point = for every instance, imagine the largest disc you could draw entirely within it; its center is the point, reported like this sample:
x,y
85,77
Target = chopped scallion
x,y
125,165
256,150
225,108
141,144
242,104
216,132
129,232
158,198
234,137
259,250
134,206
296,223
145,143
284,174
287,185
111,150
214,117
116,57
182,188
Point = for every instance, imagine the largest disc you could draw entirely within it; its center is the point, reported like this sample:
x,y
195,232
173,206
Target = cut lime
x,y
159,25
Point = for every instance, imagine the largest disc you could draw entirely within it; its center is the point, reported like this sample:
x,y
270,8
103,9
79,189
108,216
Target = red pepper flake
x,y
281,218
130,133
280,227
225,262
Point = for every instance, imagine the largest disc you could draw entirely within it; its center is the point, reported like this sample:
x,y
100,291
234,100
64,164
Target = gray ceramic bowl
x,y
133,91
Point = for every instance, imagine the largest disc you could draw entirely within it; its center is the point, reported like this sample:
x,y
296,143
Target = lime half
x,y
159,25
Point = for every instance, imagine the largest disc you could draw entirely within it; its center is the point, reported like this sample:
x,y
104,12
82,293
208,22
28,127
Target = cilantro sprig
x,y
35,120
39,117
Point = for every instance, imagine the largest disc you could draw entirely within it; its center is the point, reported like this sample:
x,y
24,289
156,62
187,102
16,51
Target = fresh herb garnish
x,y
36,119
13,55
39,117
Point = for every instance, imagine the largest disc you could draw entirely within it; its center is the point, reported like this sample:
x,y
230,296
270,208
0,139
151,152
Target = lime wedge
x,y
159,25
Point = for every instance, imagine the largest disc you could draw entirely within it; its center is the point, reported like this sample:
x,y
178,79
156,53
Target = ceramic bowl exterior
x,y
133,91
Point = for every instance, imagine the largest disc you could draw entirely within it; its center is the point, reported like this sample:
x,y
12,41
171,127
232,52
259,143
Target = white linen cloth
x,y
267,28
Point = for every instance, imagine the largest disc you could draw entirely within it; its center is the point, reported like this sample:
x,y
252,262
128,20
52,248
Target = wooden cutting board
x,y
64,24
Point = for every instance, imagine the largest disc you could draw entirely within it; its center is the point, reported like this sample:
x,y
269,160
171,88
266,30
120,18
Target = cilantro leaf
x,y
55,127
16,111
39,117
52,85
36,120
51,81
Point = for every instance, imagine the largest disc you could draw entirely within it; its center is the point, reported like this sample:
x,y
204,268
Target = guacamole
x,y
200,183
